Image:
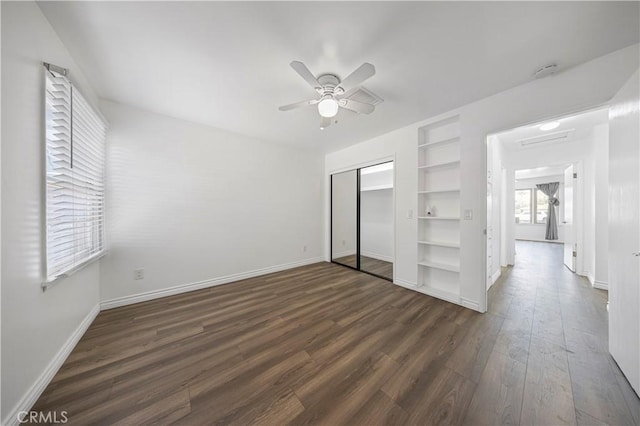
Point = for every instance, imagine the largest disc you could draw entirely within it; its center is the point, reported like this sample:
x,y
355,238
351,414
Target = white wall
x,y
344,205
601,154
35,325
495,228
193,204
590,84
376,224
536,231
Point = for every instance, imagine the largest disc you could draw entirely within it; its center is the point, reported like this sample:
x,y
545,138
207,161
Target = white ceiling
x,y
580,127
226,64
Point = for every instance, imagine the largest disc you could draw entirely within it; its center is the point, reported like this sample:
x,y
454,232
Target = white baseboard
x,y
377,256
405,284
440,294
33,393
495,276
591,278
471,304
601,285
184,288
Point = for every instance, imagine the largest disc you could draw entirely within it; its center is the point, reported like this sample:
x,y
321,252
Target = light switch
x,y
468,214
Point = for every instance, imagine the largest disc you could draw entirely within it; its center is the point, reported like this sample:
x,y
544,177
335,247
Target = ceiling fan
x,y
333,93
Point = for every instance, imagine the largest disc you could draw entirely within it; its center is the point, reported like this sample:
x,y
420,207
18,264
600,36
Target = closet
x,y
362,219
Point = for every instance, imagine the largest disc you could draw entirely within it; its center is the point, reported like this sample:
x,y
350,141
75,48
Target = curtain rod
x,y
56,69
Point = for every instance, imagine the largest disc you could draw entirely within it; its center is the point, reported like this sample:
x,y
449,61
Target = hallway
x,y
552,347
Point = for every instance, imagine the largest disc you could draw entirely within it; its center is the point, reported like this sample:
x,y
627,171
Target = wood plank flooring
x,y
323,344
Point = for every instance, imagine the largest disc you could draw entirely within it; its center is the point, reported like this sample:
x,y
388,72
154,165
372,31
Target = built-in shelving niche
x,y
439,209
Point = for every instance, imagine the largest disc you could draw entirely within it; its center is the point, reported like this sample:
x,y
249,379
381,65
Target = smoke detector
x,y
545,71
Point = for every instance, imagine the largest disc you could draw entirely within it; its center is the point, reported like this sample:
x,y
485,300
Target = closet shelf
x,y
440,142
444,165
376,188
439,191
439,217
437,265
440,244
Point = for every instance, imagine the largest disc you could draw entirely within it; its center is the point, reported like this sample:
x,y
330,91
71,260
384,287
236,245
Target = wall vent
x,y
365,96
557,137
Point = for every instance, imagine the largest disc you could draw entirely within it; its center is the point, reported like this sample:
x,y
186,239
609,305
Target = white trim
x,y
377,256
33,393
591,278
471,304
602,286
495,276
184,288
406,284
440,294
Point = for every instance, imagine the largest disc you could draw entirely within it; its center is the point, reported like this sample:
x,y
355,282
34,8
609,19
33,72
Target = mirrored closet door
x,y
344,218
362,219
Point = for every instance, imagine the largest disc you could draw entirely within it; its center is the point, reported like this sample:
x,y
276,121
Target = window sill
x,y
54,281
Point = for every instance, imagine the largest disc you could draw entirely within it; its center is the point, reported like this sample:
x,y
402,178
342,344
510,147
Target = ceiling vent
x,y
365,96
556,137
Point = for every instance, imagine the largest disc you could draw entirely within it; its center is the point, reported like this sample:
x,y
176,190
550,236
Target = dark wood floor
x,y
368,264
324,344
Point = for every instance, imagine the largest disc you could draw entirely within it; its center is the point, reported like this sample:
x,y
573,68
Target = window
x,y
75,163
523,206
542,206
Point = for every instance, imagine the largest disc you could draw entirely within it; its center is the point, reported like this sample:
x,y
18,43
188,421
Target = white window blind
x,y
75,178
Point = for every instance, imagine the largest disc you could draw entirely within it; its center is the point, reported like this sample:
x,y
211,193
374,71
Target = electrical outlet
x,y
344,242
138,274
304,249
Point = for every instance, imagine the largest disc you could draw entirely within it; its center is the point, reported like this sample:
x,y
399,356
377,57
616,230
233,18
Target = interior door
x,y
624,231
568,222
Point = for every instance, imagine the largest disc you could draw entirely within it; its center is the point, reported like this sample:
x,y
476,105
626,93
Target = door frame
x,y
357,167
603,105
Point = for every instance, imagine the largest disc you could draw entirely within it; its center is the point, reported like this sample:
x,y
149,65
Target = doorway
x,y
568,155
362,219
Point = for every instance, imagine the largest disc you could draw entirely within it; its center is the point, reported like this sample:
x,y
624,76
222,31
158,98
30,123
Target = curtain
x,y
550,190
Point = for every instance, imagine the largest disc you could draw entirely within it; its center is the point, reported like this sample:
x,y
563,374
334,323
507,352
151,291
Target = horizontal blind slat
x,y
75,150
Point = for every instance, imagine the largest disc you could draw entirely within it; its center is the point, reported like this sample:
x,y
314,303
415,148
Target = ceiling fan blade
x,y
304,72
299,104
363,72
359,107
324,122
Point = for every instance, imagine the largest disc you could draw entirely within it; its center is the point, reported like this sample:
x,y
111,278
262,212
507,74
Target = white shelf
x,y
440,165
440,244
376,188
440,142
439,181
439,191
437,265
439,217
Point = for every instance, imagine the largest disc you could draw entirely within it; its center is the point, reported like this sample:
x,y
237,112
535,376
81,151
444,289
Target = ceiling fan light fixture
x,y
328,107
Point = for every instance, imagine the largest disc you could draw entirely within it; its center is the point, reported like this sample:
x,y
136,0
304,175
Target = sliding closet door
x,y
376,220
344,219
